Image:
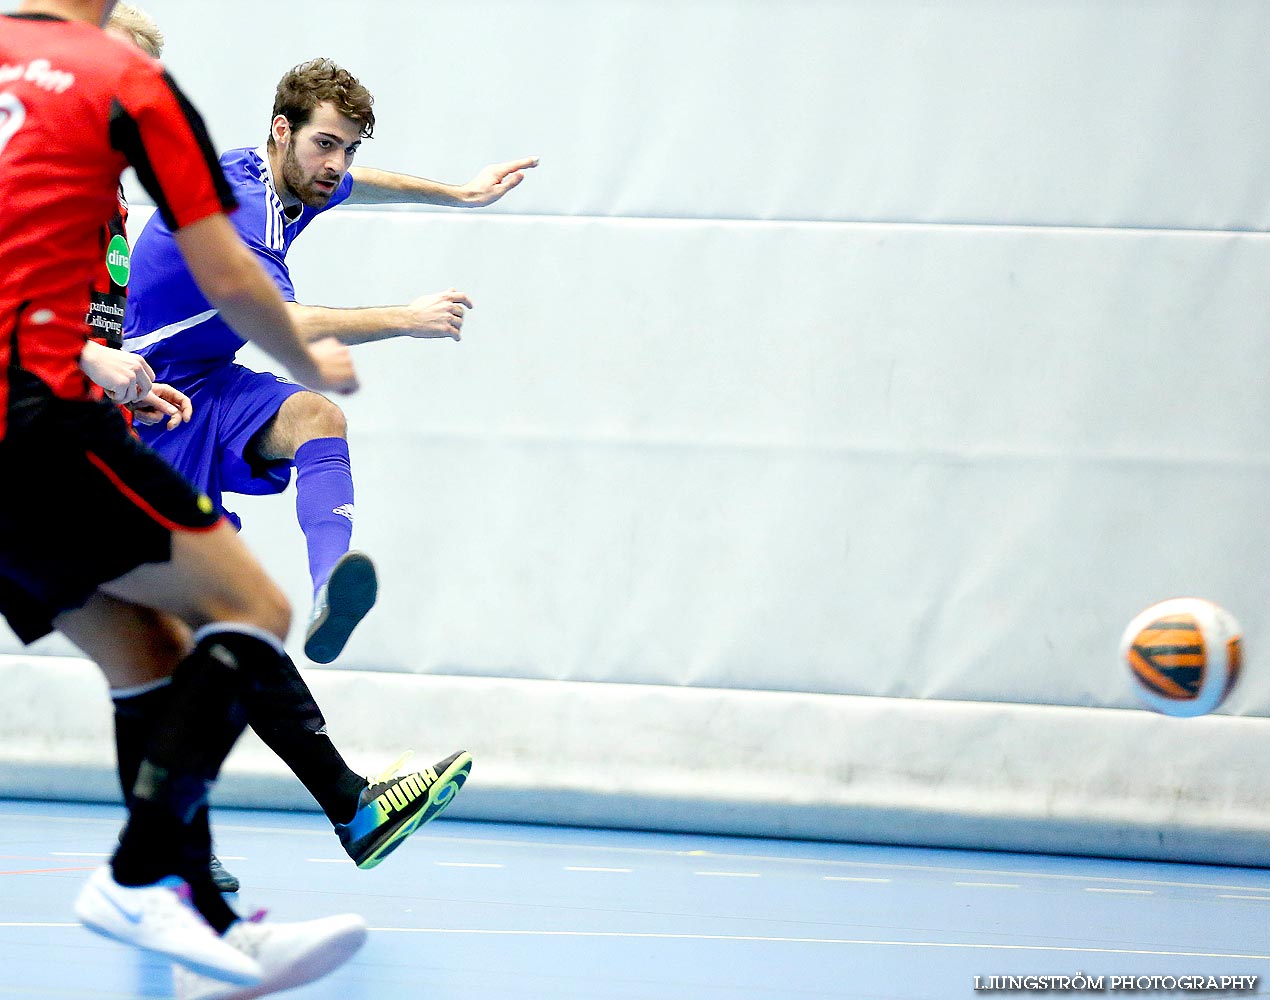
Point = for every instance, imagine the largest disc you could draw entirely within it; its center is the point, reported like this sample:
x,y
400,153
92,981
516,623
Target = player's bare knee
x,y
259,603
318,417
330,422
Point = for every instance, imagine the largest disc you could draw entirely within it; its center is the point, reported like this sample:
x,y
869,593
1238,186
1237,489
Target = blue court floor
x,y
482,911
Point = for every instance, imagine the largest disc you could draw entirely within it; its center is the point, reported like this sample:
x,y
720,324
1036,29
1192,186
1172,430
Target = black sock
x,y
136,713
167,831
207,899
284,714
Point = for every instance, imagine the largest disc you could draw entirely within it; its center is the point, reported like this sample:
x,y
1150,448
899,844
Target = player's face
x,y
319,155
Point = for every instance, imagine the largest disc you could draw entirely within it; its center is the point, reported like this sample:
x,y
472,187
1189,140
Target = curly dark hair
x,y
303,87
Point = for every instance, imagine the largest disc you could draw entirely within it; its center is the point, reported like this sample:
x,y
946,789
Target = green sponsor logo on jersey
x,y
118,260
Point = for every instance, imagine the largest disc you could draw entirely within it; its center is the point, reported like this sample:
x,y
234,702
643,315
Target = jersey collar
x,y
290,213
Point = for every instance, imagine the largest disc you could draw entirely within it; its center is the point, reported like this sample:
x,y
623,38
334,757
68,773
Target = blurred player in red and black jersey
x,y
126,378
154,568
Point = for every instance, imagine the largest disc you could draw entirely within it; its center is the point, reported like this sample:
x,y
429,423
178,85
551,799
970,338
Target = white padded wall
x,y
897,458
1079,112
856,347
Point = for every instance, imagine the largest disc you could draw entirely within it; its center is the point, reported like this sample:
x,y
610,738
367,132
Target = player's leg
x,y
310,431
287,954
371,817
172,732
84,503
257,423
213,584
209,582
139,676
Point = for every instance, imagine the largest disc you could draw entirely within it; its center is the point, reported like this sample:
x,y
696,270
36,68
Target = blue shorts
x,y
231,405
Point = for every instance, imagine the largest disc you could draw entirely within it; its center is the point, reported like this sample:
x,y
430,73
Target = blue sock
x,y
324,502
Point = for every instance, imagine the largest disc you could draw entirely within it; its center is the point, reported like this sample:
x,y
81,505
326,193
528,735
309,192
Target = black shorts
x,y
82,502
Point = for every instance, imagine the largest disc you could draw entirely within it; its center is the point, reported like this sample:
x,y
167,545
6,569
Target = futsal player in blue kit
x,y
249,428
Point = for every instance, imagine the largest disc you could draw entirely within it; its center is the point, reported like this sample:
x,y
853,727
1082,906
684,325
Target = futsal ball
x,y
1184,655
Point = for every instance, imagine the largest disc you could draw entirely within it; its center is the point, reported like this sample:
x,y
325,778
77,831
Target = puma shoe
x,y
390,808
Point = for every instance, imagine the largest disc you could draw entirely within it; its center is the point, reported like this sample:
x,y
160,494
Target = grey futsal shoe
x,y
225,881
340,604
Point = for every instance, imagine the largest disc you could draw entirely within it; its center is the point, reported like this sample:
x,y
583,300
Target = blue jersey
x,y
168,320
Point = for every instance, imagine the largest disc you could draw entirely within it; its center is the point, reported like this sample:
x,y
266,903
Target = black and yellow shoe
x,y
390,809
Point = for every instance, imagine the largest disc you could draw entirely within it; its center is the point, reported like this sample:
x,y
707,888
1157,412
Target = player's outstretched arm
x,y
383,187
428,317
233,281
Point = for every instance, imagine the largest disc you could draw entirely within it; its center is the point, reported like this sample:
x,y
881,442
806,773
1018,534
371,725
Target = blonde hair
x,y
139,26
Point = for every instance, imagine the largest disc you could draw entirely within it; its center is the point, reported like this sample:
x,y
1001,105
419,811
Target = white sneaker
x,y
160,918
290,955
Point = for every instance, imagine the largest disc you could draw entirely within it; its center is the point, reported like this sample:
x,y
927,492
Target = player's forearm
x,y
229,276
383,187
349,326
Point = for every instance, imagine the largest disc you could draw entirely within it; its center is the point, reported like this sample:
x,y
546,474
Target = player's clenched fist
x,y
439,315
332,367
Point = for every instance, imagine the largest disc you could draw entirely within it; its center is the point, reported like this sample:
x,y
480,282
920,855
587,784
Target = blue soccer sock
x,y
324,503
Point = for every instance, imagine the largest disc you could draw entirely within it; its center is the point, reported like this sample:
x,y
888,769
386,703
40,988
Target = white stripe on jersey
x,y
135,344
275,220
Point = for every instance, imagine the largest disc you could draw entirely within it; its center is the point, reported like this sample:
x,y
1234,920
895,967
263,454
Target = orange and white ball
x,y
1184,655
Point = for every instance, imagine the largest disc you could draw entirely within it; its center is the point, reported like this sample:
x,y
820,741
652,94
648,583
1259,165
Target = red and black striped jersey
x,y
76,107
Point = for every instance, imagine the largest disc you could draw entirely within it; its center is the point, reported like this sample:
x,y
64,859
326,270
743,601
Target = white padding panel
x,y
1084,112
743,762
940,462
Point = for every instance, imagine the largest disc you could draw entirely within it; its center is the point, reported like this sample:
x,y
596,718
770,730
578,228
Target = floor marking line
x,y
465,864
435,837
971,946
583,868
1121,892
50,871
1227,895
862,942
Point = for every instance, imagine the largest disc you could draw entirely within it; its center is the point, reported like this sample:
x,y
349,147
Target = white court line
x,y
991,885
435,837
464,864
1227,895
859,942
863,942
852,878
581,868
1123,892
729,874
